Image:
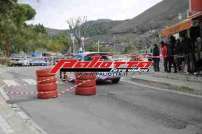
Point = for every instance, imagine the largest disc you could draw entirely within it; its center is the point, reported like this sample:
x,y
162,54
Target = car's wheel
x,y
116,80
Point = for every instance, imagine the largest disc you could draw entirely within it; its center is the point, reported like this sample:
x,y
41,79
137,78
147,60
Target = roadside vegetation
x,y
16,35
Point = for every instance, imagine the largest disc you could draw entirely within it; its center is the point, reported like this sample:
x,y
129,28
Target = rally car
x,y
100,76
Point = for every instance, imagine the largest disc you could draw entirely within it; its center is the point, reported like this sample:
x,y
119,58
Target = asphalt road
x,y
116,109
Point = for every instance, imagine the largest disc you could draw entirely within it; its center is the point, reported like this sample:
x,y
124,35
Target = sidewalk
x,y
177,81
14,121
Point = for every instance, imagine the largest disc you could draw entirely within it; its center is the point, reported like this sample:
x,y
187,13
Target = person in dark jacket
x,y
179,54
156,58
187,48
198,50
171,53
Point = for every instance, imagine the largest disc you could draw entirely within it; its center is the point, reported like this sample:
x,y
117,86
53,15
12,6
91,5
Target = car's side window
x,y
78,57
87,58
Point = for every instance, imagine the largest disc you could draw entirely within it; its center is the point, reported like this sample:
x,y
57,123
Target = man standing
x,y
156,58
171,54
186,42
164,51
198,47
179,55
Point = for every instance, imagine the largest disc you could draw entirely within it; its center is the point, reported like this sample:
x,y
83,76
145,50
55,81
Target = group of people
x,y
178,53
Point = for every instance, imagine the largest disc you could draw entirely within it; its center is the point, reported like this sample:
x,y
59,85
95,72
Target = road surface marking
x,y
28,120
5,126
30,81
4,95
10,83
161,89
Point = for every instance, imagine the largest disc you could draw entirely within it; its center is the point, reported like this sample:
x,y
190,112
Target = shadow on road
x,y
19,99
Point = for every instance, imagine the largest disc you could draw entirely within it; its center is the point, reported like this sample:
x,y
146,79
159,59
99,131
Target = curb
x,y
183,77
16,114
172,87
162,89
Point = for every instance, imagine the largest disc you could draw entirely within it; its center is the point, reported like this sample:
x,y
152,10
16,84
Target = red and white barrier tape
x,y
60,93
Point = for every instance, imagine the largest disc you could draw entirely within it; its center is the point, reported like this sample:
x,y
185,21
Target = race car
x,y
100,76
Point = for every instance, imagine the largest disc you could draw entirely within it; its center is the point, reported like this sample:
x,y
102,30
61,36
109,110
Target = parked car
x,y
19,61
101,76
38,62
148,56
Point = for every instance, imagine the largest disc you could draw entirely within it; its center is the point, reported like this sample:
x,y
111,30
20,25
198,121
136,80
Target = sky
x,y
55,13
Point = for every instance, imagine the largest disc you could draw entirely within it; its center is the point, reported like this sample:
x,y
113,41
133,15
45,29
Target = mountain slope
x,y
164,13
99,27
54,32
141,31
158,16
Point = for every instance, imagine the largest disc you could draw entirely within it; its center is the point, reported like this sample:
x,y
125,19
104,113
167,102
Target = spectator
x,y
186,42
156,58
198,47
179,54
171,53
164,51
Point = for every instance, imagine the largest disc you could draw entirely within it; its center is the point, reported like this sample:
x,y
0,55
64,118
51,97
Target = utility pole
x,y
73,42
83,44
98,46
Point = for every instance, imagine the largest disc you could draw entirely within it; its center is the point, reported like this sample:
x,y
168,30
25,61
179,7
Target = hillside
x,y
54,32
158,16
100,27
141,31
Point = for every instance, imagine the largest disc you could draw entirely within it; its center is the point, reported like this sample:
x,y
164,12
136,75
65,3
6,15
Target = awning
x,y
196,16
181,26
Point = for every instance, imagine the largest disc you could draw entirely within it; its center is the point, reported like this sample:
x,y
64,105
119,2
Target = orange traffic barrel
x,y
46,84
85,84
50,79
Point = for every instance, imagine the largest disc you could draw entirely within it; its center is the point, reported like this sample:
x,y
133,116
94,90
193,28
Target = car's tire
x,y
116,80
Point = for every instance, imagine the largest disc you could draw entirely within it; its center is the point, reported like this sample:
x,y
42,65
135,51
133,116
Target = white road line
x,y
161,89
5,126
4,95
23,115
28,120
30,81
10,83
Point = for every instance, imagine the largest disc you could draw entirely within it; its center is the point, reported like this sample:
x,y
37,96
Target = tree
x,y
128,49
77,28
39,28
16,35
60,43
23,13
13,17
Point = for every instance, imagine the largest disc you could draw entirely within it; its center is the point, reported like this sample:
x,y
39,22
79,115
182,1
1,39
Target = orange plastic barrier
x,y
85,84
46,84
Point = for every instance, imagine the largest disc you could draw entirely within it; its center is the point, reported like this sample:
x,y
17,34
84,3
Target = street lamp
x,y
83,43
98,46
114,42
73,41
